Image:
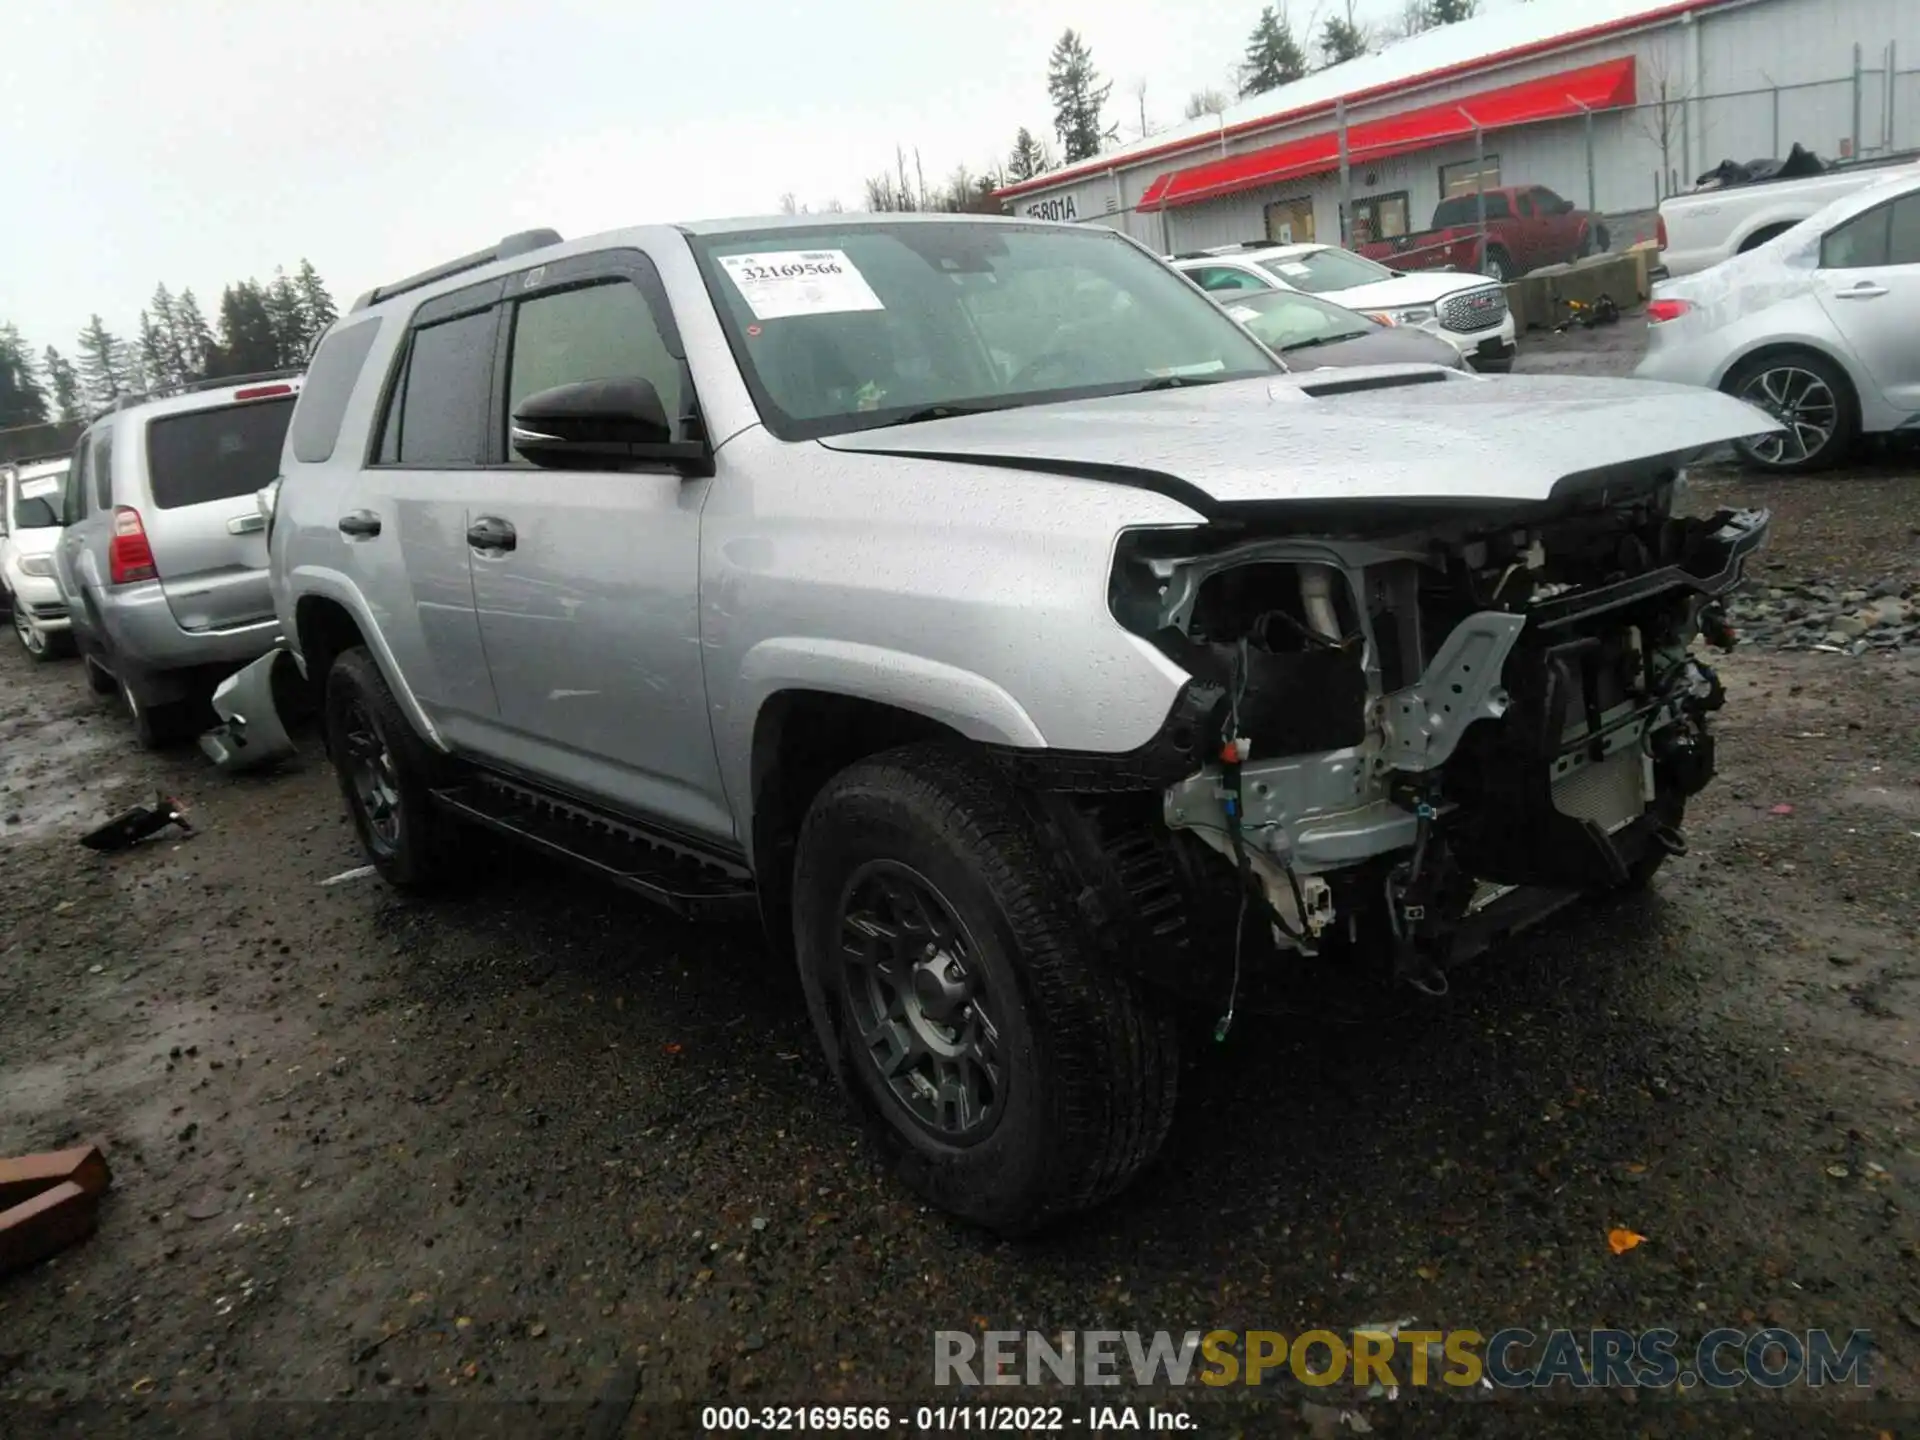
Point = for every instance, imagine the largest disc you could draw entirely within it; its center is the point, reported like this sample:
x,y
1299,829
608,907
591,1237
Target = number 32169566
x,y
796,270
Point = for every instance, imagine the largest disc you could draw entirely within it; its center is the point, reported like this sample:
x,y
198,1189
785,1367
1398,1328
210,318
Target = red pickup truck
x,y
1527,226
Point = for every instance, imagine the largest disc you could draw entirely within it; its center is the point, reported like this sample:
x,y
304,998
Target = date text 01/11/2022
x,y
932,1419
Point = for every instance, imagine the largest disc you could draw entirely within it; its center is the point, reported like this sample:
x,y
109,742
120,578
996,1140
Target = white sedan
x,y
1819,327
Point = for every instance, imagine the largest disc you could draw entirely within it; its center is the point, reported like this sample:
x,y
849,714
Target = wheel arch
x,y
324,624
801,739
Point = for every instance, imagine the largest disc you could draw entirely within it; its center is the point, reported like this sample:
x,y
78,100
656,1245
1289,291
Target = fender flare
x,y
324,583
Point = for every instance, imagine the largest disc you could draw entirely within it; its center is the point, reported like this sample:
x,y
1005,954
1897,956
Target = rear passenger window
x,y
598,332
329,385
73,507
103,469
206,455
438,412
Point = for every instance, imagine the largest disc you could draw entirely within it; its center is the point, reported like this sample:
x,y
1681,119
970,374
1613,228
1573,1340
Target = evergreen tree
x,y
1078,97
155,364
1029,157
315,303
1449,12
65,385
194,336
105,374
289,320
1341,40
1273,57
248,343
167,365
22,399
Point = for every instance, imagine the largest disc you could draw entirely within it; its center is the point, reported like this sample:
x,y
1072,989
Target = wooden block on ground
x,y
46,1225
25,1176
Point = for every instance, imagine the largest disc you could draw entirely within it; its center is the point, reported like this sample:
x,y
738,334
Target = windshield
x,y
850,327
1315,271
41,487
1284,321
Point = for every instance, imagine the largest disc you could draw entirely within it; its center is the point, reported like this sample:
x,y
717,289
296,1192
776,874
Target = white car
x,y
29,532
1817,327
1469,312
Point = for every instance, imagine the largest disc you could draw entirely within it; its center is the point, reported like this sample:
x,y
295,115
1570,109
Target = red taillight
x,y
262,392
1659,311
1660,232
129,556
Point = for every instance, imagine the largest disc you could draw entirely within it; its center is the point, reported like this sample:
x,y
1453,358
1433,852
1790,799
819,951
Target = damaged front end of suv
x,y
1421,728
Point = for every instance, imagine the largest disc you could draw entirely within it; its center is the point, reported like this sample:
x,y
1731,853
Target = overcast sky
x,y
197,142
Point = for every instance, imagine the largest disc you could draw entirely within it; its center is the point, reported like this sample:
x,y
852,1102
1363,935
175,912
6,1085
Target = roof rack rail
x,y
518,243
214,382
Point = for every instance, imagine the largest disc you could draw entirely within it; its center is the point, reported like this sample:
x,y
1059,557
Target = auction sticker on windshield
x,y
780,283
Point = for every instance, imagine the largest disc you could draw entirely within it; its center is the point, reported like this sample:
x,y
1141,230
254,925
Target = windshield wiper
x,y
937,412
1175,382
1321,340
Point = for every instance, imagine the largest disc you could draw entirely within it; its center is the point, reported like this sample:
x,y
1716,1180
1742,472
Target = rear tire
x,y
1498,265
387,776
1809,393
1006,1072
155,726
99,680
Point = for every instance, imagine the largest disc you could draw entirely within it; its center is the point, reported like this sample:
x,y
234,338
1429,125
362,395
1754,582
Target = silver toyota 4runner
x,y
985,607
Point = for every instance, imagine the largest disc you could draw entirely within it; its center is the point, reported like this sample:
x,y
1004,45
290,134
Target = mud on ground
x,y
541,1142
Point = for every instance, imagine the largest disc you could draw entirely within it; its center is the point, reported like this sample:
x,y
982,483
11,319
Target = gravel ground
x,y
542,1144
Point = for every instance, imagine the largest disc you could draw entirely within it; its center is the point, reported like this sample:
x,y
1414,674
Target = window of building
x,y
1290,222
1463,177
1380,217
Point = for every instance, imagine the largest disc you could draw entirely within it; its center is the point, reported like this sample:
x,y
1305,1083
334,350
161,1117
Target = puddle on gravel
x,y
56,777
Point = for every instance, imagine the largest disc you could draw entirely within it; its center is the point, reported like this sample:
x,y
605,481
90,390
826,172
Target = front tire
x,y
387,776
1004,1070
1811,396
1498,265
39,645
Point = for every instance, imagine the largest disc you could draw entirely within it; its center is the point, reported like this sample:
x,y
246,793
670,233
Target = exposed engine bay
x,y
1422,740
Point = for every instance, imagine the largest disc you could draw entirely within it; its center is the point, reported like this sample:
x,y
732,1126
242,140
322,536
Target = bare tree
x,y
1206,102
1139,92
789,205
1662,117
1412,17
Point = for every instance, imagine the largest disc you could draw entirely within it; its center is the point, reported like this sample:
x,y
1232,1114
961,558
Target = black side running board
x,y
668,871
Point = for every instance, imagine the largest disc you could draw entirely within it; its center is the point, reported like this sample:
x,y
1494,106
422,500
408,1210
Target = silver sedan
x,y
1818,327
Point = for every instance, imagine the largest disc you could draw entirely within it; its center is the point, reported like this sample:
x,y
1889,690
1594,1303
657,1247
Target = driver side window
x,y
603,331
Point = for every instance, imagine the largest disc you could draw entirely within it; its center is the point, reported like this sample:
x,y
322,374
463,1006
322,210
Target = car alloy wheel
x,y
918,1002
1800,400
370,771
31,636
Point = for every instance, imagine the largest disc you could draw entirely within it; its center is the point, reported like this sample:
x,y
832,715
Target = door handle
x,y
246,524
360,525
1865,290
492,533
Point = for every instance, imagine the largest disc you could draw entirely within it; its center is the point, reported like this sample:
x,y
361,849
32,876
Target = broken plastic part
x,y
130,827
250,733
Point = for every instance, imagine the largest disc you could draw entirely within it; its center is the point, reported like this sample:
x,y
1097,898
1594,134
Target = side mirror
x,y
35,513
614,424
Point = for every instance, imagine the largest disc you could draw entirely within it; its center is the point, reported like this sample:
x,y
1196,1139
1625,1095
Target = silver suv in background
x,y
164,557
982,604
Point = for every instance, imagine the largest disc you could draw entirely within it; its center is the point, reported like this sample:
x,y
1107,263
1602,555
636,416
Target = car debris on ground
x,y
131,826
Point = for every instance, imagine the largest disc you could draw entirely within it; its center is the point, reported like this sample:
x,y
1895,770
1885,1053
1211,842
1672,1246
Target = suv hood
x,y
1378,433
1417,287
